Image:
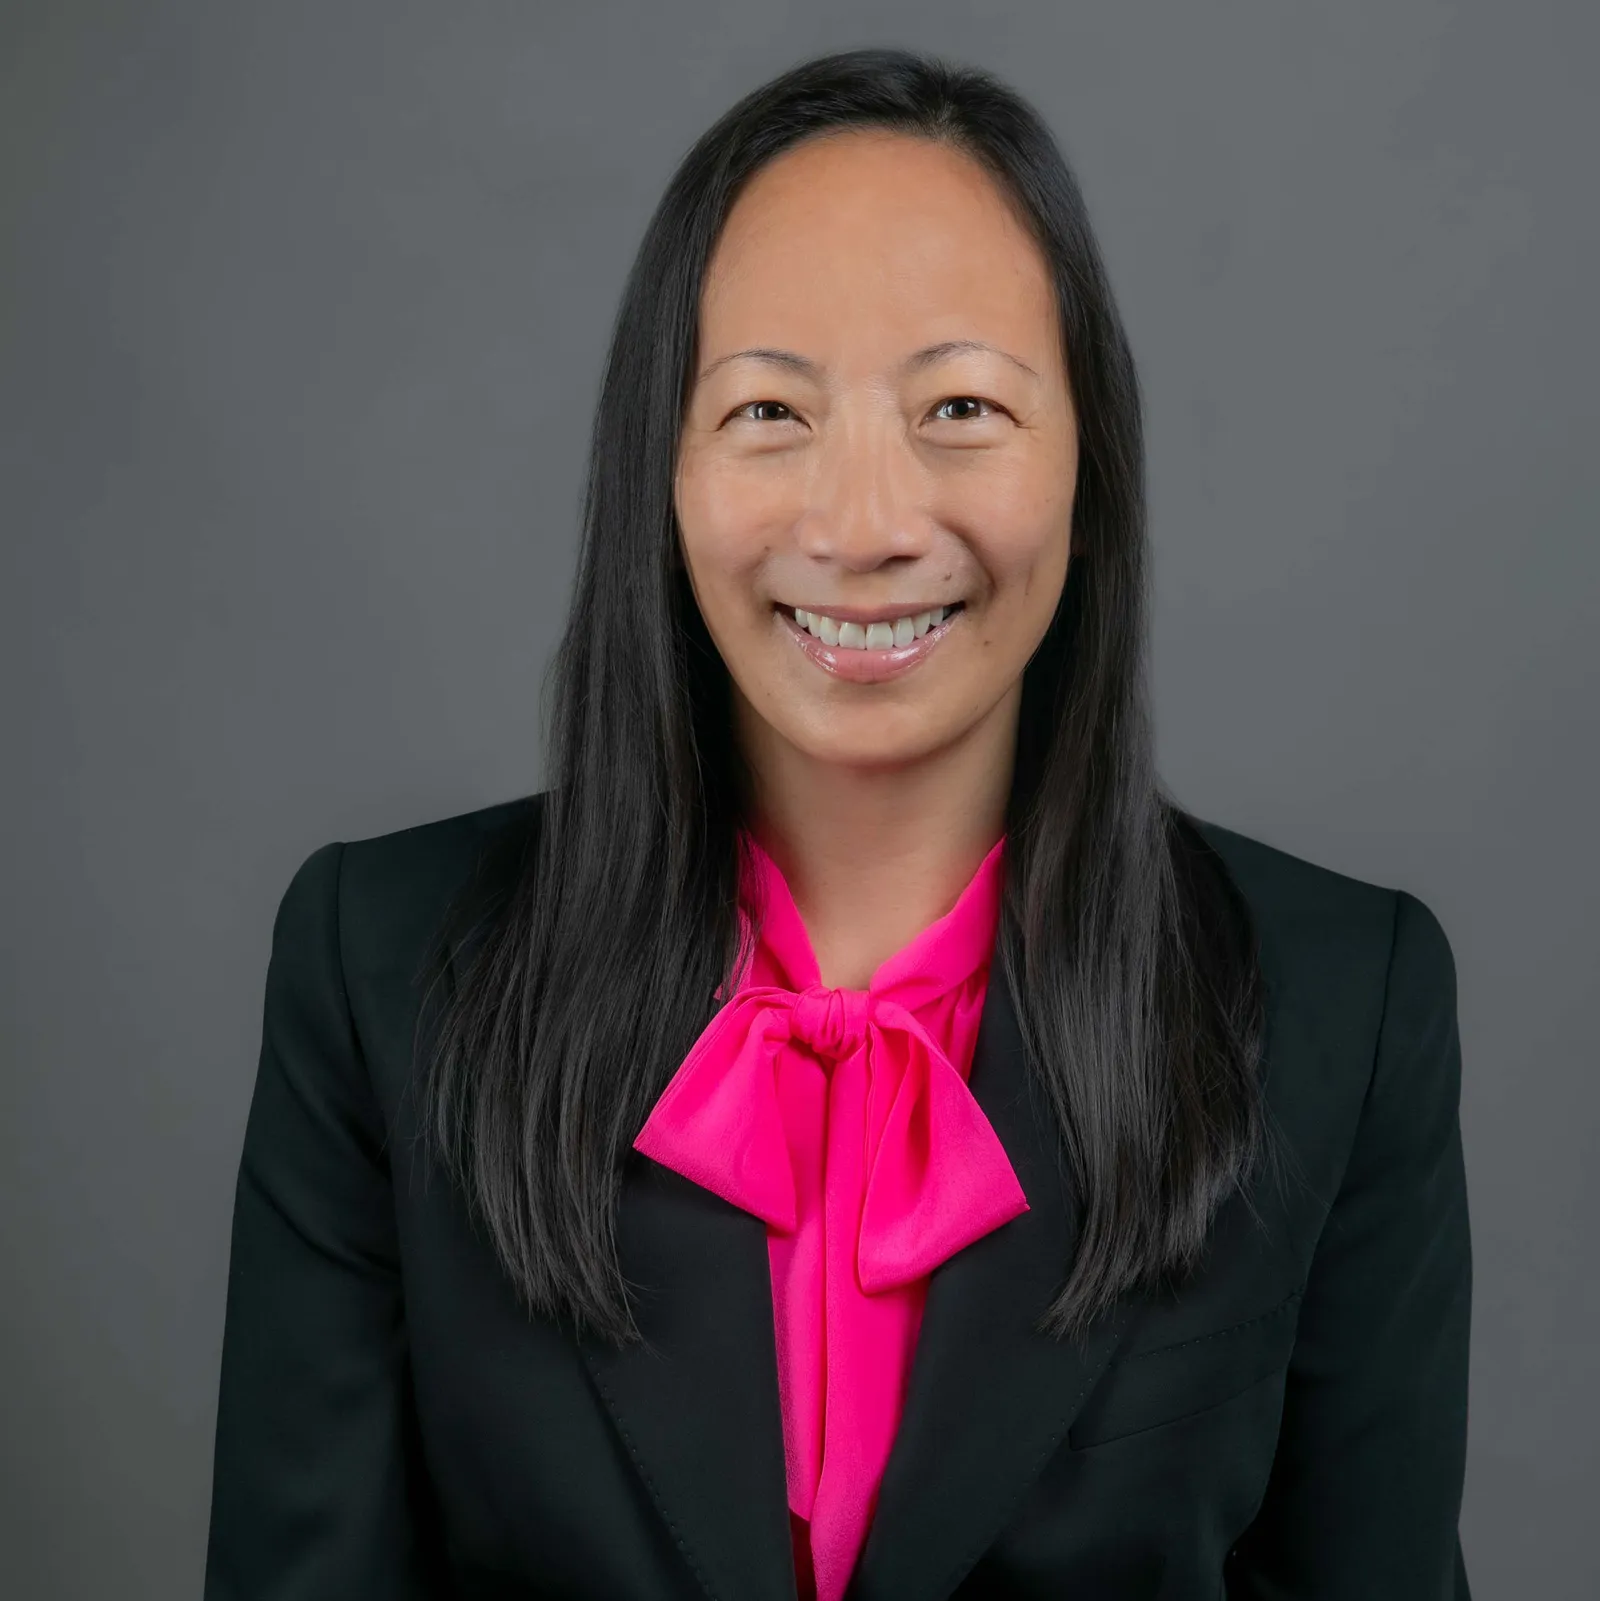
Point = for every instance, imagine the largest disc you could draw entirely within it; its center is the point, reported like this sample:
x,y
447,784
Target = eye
x,y
744,411
960,400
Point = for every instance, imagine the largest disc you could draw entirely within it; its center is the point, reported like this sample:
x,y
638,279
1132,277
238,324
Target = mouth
x,y
869,647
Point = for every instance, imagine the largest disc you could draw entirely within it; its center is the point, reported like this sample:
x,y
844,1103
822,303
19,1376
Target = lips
x,y
868,662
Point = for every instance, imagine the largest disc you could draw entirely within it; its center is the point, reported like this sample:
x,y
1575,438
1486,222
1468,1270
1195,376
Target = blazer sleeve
x,y
1364,1496
312,1496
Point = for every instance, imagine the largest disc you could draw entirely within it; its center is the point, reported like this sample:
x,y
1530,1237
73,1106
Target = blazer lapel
x,y
989,1399
698,1404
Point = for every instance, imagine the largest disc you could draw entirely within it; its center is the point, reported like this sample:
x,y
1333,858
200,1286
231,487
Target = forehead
x,y
874,229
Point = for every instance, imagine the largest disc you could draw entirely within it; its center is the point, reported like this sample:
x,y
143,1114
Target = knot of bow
x,y
938,1177
833,1022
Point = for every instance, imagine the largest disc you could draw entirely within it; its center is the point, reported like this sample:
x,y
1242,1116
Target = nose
x,y
866,506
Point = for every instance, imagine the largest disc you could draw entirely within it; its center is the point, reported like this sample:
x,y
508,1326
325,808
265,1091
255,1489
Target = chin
x,y
871,749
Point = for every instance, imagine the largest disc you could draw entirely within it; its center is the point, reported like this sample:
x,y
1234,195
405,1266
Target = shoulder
x,y
1321,927
365,927
1360,987
390,895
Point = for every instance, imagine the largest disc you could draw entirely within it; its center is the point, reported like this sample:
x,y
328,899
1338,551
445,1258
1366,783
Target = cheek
x,y
1018,519
726,534
1026,558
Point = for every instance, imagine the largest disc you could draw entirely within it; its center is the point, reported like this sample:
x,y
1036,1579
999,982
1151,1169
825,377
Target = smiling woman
x,y
886,435
854,1134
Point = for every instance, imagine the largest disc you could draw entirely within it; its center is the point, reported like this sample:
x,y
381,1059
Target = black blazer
x,y
1292,1425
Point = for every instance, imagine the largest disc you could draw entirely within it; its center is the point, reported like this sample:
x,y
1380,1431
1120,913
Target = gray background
x,y
302,309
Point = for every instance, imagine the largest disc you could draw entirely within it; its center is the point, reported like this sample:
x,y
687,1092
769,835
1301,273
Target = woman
x,y
853,1133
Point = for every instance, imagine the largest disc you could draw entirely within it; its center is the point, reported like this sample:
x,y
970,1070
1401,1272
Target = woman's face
x,y
879,427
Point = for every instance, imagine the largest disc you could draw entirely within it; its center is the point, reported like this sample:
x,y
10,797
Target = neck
x,y
874,855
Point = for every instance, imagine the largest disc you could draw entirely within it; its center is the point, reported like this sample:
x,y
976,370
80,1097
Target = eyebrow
x,y
805,367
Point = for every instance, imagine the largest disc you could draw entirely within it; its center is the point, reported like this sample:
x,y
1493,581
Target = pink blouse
x,y
842,1117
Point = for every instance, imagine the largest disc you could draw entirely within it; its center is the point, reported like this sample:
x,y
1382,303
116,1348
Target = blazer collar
x,y
989,1398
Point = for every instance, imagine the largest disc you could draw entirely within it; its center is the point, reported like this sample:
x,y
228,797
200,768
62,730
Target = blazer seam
x,y
382,1123
1382,1019
1337,1188
338,941
650,1484
1218,1334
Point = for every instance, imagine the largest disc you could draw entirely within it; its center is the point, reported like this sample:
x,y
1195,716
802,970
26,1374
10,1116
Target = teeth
x,y
890,633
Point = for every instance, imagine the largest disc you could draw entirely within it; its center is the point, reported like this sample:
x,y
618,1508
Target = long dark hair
x,y
1129,955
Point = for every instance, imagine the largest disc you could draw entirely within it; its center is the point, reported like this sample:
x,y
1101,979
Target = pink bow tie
x,y
842,1119
938,1177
